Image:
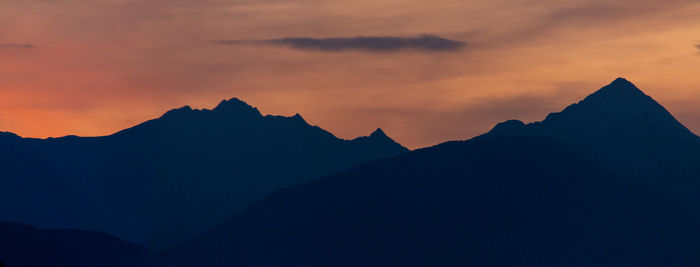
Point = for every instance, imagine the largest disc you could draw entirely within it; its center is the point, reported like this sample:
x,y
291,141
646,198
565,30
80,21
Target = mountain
x,y
23,245
628,132
170,178
490,201
572,190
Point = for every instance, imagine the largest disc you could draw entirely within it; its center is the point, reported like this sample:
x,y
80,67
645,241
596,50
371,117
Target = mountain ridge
x,y
419,209
630,132
593,185
621,99
184,157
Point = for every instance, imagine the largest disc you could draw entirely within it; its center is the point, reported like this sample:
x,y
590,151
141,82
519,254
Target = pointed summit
x,y
617,115
620,92
617,102
299,118
620,81
378,133
379,139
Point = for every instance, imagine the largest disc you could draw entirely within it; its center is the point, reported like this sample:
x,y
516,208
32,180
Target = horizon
x,y
166,133
424,72
253,106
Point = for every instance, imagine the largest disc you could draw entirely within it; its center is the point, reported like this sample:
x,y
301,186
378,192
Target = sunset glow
x,y
95,67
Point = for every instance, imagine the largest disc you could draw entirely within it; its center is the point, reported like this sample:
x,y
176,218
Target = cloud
x,y
17,46
425,43
554,18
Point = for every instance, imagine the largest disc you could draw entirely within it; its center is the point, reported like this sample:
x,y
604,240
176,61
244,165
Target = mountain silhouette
x,y
619,114
170,178
23,245
628,132
490,201
572,190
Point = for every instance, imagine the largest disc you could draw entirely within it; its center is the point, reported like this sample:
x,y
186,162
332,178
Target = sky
x,y
424,71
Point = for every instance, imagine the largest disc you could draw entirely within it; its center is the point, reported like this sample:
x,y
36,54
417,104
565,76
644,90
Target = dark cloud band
x,y
16,46
425,43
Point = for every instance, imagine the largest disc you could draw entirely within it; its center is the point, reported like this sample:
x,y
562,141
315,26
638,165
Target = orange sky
x,y
98,66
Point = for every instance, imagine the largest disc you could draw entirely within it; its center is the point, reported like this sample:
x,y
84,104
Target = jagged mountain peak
x,y
299,118
224,159
233,107
378,133
237,106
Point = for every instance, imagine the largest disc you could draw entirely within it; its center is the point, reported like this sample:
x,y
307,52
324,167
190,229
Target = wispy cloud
x,y
424,43
16,46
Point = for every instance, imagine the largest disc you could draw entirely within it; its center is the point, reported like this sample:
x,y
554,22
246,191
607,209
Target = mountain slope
x,y
629,132
490,201
592,185
24,245
173,177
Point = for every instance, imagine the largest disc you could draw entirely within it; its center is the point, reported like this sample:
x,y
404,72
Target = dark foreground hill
x,y
22,245
170,178
491,201
590,186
